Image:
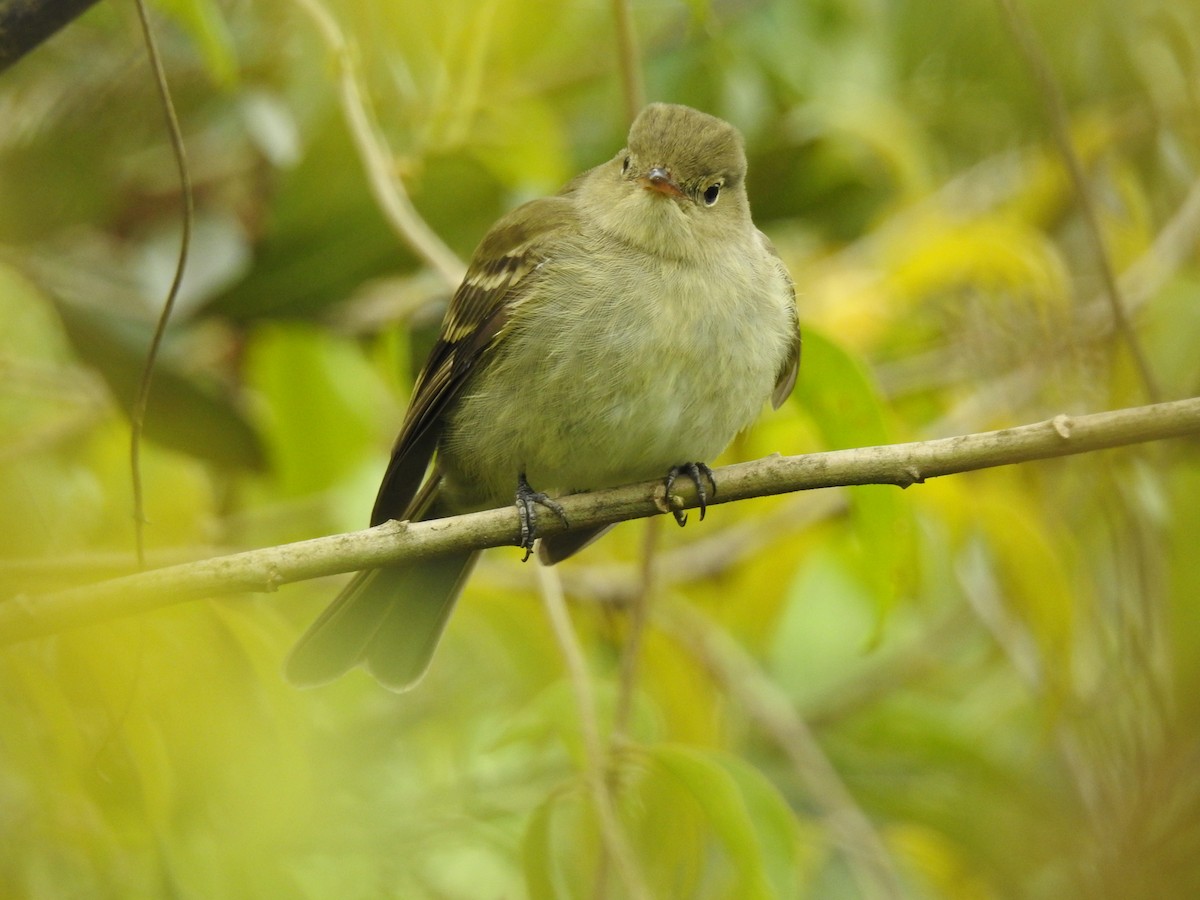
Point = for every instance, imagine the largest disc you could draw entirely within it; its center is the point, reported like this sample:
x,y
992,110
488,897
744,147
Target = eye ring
x,y
625,164
712,193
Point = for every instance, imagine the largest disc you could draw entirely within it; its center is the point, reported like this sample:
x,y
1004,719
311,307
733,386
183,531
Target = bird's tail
x,y
389,620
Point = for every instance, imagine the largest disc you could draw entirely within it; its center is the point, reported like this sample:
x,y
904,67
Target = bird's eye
x,y
711,193
625,165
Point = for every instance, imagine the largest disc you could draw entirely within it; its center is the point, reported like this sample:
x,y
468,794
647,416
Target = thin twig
x,y
1145,276
388,190
137,419
627,672
616,845
632,647
617,585
24,618
1056,111
1093,321
632,86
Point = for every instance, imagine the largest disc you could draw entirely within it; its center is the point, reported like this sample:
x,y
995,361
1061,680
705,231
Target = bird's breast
x,y
614,373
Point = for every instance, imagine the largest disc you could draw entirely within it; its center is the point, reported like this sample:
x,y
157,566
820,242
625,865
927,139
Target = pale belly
x,y
584,395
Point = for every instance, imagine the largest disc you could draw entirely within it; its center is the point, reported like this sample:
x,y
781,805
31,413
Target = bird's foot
x,y
528,500
697,472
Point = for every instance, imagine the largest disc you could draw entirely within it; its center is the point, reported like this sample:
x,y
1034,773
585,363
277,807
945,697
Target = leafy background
x,y
982,687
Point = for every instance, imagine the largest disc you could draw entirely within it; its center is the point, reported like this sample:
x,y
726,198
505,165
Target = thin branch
x,y
1093,321
616,845
617,585
632,86
903,465
1146,275
388,190
631,648
1056,110
137,417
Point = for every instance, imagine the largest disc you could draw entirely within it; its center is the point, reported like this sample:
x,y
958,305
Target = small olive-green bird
x,y
626,329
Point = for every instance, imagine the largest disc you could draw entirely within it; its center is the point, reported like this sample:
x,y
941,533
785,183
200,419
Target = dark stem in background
x,y
1056,111
138,414
24,24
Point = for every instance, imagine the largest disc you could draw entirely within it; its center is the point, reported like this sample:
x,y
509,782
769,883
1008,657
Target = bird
x,y
622,330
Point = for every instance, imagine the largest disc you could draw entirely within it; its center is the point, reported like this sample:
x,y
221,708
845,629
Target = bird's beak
x,y
659,179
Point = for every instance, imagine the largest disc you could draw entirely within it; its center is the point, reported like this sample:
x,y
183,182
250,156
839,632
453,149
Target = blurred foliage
x,y
1000,667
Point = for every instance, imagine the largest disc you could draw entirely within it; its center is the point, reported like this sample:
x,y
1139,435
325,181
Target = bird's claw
x,y
696,472
527,502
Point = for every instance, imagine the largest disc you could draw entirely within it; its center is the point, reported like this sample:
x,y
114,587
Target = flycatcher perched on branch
x,y
626,329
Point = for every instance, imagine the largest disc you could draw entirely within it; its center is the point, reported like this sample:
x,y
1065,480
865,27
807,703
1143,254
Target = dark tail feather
x,y
335,642
555,549
391,619
423,596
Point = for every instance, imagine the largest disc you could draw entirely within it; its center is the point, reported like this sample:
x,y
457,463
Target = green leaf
x,y
325,402
774,823
839,394
204,23
709,783
324,236
561,848
535,853
818,639
703,824
184,412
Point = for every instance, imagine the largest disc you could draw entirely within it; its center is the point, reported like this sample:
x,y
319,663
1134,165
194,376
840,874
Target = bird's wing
x,y
499,277
786,379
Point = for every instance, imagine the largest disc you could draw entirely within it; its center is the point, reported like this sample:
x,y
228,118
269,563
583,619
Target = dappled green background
x,y
986,684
